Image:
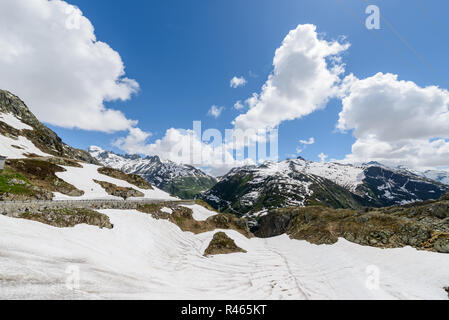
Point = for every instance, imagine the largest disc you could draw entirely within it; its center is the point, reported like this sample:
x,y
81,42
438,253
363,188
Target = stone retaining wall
x,y
16,208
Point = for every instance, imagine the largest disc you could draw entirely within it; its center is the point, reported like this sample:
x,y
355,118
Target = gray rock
x,y
442,245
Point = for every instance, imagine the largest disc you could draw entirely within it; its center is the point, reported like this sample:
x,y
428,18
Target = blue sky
x,y
184,53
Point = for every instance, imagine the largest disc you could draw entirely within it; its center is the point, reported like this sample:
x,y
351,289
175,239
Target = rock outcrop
x,y
65,218
222,244
15,187
377,228
183,218
122,192
42,174
41,136
133,179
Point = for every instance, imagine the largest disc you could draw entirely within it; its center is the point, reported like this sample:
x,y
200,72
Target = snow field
x,y
82,179
145,258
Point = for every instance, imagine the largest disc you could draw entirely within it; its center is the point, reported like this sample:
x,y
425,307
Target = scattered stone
x,y
14,181
222,244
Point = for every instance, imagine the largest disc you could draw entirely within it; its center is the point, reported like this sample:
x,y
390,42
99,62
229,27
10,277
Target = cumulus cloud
x,y
50,57
239,105
323,157
396,121
304,144
308,142
306,75
215,111
134,142
182,146
237,82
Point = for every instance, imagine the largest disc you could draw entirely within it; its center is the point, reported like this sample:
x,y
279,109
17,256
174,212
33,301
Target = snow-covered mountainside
x,y
436,175
298,182
40,166
181,180
145,258
22,135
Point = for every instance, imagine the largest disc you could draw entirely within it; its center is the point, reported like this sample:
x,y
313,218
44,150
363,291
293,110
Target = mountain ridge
x,y
299,182
181,180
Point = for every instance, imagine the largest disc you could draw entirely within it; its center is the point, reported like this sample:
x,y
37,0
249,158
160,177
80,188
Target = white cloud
x,y
304,78
215,111
237,82
239,105
51,59
323,157
396,121
308,142
134,142
181,146
304,143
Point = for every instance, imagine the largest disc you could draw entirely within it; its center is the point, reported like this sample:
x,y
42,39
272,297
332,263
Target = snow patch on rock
x,y
82,179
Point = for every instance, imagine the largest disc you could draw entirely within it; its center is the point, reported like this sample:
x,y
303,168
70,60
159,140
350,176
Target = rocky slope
x,y
183,181
40,166
183,217
18,124
424,226
298,182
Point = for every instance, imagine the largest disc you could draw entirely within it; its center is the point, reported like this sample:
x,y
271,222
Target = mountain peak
x,y
95,149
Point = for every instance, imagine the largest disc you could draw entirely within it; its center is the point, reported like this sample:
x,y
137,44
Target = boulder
x,y
222,244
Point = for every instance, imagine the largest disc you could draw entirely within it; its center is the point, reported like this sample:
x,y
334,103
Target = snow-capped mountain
x,y
298,182
436,175
181,180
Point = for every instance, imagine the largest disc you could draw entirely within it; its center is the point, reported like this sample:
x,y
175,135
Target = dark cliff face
x,y
386,187
42,137
272,225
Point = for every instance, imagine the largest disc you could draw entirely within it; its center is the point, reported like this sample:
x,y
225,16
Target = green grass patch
x,y
6,186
